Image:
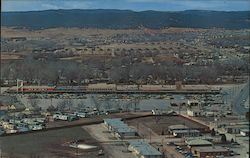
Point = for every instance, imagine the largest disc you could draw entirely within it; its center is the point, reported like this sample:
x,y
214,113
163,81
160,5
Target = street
x,y
240,99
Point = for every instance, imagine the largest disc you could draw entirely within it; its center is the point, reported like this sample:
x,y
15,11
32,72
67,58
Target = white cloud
x,y
49,6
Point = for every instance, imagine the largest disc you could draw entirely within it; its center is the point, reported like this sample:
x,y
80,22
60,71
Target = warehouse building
x,y
194,112
177,127
198,143
235,129
212,151
183,131
186,133
143,150
119,128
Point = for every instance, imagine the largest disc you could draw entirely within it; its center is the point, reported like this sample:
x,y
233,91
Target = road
x,y
240,99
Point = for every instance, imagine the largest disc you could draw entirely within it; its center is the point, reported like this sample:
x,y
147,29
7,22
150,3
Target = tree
x,y
247,115
223,138
162,132
51,108
232,140
81,106
213,132
34,104
65,104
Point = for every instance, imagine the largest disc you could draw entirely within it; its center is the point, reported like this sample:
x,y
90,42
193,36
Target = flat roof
x,y
173,127
210,149
186,131
245,130
198,142
144,148
112,120
38,87
118,125
125,130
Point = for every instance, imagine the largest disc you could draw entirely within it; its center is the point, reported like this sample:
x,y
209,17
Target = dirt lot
x,y
95,119
159,123
10,56
46,144
113,147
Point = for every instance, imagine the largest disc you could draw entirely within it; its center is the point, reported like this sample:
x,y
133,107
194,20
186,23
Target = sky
x,y
136,5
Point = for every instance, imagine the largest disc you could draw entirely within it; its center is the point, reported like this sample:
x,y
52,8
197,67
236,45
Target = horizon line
x,y
130,10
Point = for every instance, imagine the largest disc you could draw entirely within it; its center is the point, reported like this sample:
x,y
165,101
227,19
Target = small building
x,y
194,112
244,132
211,151
4,107
211,114
193,102
186,133
235,129
125,132
163,112
12,107
198,143
119,128
177,127
143,150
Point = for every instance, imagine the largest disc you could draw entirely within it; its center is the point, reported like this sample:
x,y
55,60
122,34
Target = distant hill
x,y
123,19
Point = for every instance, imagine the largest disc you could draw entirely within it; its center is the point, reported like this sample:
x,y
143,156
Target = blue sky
x,y
137,5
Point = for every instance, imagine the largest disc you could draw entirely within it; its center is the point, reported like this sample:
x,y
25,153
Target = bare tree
x,y
65,104
34,104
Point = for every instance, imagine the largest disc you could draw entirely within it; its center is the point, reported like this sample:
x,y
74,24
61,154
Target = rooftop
x,y
210,149
144,148
174,127
186,131
118,125
194,142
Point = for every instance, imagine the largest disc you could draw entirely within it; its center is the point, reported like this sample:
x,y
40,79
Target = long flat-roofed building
x,y
211,151
143,150
119,128
186,133
177,127
198,143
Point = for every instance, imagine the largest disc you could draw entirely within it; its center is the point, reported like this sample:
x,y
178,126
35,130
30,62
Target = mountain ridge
x,y
126,19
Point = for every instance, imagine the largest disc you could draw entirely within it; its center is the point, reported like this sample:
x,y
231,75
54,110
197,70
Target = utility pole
x,y
150,136
136,101
179,108
19,85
